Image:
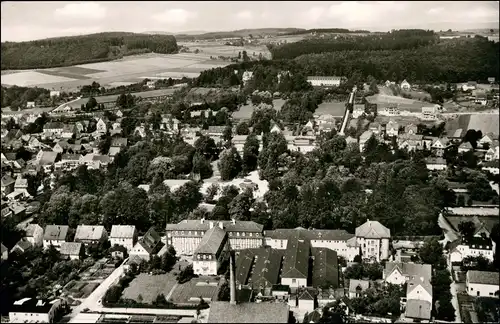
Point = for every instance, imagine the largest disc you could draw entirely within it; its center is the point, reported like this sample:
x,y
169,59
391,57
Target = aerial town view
x,y
250,162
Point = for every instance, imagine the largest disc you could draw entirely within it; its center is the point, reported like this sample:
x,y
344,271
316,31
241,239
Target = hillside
x,y
66,51
239,33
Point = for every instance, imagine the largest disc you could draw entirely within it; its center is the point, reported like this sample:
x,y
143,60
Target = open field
x,y
402,120
410,105
150,286
195,288
245,111
112,98
336,109
218,48
128,69
487,123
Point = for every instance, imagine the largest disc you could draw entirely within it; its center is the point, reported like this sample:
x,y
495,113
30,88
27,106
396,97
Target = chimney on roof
x,y
202,220
422,279
221,225
232,280
234,221
211,224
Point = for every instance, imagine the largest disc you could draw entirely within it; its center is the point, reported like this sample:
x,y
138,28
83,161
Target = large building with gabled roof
x,y
295,270
210,253
373,239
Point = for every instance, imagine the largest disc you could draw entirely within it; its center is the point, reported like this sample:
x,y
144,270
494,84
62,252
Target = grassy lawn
x,y
149,287
332,108
196,287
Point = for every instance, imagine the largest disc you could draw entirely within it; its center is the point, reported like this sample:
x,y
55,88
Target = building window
x,y
251,234
237,233
294,281
182,232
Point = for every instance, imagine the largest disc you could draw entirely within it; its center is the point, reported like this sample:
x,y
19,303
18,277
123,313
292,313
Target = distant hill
x,y
239,33
65,51
191,32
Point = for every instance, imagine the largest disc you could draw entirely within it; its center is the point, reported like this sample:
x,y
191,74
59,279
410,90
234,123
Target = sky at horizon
x,y
24,20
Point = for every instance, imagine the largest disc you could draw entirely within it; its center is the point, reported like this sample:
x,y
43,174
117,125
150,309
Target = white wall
x,y
396,278
306,305
55,243
299,282
419,293
483,290
211,267
127,243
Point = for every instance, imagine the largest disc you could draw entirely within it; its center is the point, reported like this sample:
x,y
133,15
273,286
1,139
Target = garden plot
x,y
149,287
336,109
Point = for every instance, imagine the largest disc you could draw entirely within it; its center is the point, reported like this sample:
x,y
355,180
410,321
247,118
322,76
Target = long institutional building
x,y
209,241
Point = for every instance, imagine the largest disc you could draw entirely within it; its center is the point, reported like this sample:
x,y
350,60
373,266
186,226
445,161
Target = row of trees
x,y
66,51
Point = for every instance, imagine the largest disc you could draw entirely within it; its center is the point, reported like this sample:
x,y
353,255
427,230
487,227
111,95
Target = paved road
x,y
91,302
346,116
454,301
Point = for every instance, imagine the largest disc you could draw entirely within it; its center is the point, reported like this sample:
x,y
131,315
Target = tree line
x,y
66,51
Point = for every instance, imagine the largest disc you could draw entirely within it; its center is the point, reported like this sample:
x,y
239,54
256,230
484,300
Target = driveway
x,y
454,289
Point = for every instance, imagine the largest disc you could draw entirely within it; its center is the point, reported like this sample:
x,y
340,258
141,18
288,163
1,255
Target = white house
x,y
491,167
210,253
357,287
324,81
34,234
398,273
90,234
30,310
363,139
373,239
430,112
465,147
54,93
5,252
124,235
101,126
247,76
470,85
435,164
295,269
492,154
392,128
55,235
146,247
482,283
405,85
55,128
419,288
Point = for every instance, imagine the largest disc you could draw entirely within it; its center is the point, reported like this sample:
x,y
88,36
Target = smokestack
x,y
232,280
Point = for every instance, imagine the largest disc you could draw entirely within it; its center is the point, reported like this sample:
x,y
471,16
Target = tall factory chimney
x,y
232,280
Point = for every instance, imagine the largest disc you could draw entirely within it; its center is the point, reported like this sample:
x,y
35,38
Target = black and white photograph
x,y
250,162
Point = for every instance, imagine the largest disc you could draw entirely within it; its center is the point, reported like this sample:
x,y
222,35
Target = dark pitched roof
x,y
31,305
483,277
223,312
409,269
296,261
331,235
118,142
420,309
244,261
211,241
198,225
150,241
325,268
56,232
266,269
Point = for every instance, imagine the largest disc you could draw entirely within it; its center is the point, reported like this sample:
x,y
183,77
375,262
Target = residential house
x,y
358,110
31,310
101,126
61,147
5,252
390,110
30,104
492,154
90,234
54,93
470,85
389,83
140,131
169,123
419,288
119,142
440,145
69,161
146,247
481,99
80,127
435,164
95,161
324,81
398,273
123,235
72,250
211,251
465,147
375,128
69,130
150,84
373,238
411,142
22,246
405,85
418,310
411,129
491,167
8,184
478,245
247,76
357,287
47,159
120,252
119,113
295,269
487,139
430,112
306,300
53,129
55,235
482,283
34,234
392,128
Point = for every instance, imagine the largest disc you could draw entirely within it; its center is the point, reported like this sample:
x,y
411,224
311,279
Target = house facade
x,y
211,251
55,235
30,310
482,283
373,239
72,250
90,234
34,234
123,235
324,81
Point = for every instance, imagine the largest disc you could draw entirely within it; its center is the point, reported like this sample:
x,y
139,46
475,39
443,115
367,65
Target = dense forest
x,y
396,40
328,30
65,51
240,33
16,97
451,61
